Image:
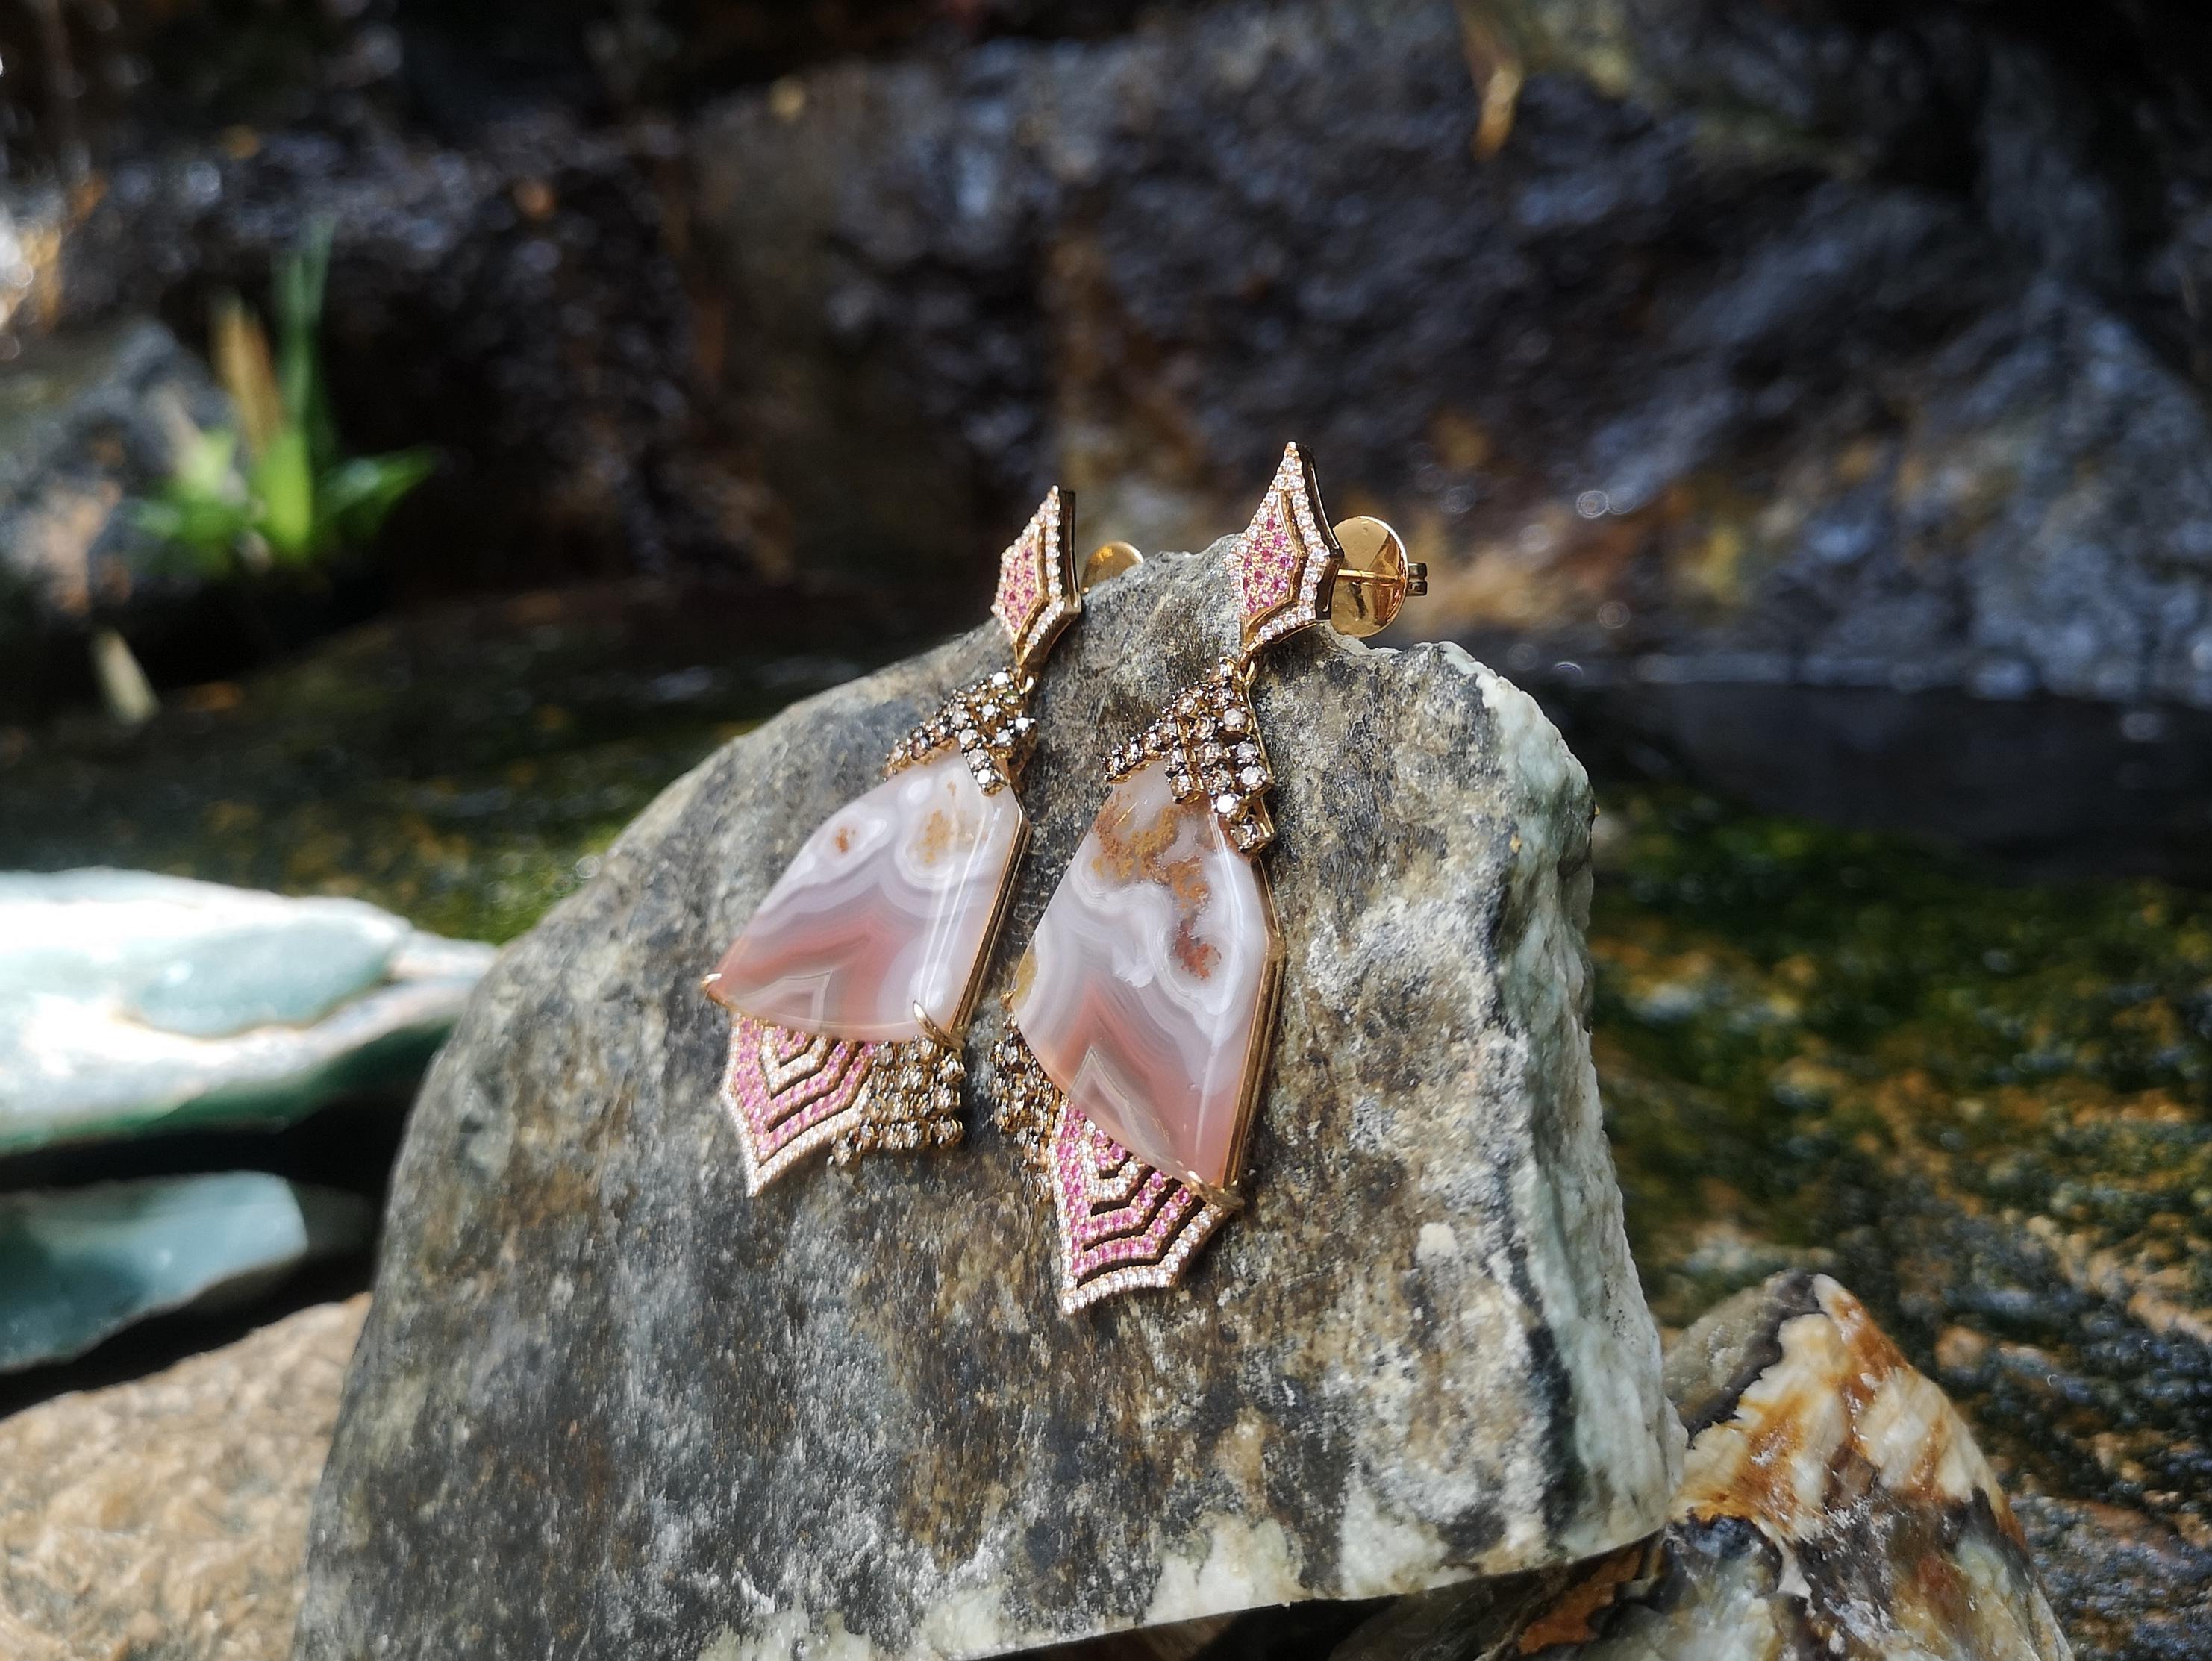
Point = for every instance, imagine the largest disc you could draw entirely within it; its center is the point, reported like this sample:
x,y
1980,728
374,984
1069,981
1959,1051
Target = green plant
x,y
276,491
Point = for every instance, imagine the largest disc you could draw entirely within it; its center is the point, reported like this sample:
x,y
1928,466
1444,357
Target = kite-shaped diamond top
x,y
1037,596
1282,561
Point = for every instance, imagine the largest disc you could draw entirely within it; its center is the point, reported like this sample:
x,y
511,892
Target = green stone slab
x,y
79,1264
130,1002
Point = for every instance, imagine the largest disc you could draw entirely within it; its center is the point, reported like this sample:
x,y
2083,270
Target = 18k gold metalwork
x,y
1157,966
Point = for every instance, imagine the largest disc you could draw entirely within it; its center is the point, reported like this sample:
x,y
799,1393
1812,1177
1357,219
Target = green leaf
x,y
204,508
203,468
356,495
301,277
284,492
200,534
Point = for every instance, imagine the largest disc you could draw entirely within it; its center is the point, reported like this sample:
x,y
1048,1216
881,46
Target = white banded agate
x,y
1148,976
888,905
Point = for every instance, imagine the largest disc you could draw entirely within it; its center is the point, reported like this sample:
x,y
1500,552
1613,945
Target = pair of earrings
x,y
1143,1012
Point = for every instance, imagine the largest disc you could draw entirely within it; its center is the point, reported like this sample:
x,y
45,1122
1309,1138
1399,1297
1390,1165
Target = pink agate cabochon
x,y
888,905
1145,979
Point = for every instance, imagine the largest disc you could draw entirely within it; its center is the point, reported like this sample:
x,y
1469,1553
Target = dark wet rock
x,y
1842,346
1854,344
511,279
2036,788
89,423
1833,1503
851,1407
2125,1585
510,303
1851,345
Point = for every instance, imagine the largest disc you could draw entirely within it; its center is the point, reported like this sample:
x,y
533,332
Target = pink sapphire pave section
x,y
1282,563
790,1092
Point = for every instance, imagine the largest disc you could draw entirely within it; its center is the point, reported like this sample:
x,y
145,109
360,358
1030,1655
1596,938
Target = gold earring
x,y
1144,1009
851,988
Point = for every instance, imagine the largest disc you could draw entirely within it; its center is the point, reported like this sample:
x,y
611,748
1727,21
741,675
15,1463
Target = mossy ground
x,y
1983,1106
463,770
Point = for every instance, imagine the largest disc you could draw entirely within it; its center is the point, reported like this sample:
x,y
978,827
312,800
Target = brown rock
x,y
164,1520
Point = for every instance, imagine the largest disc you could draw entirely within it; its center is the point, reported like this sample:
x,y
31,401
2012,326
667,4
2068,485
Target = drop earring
x,y
1143,1012
850,989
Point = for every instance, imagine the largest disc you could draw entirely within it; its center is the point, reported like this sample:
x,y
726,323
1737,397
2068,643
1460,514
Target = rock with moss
x,y
849,1412
1980,1106
462,766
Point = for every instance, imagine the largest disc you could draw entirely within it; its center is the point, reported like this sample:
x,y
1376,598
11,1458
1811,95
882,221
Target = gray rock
x,y
77,1264
1833,1503
848,1412
131,1001
88,422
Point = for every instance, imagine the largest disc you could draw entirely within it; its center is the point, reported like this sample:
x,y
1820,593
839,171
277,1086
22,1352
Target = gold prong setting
x,y
912,1102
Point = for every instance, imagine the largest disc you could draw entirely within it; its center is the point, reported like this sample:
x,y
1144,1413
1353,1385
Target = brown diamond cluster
x,y
913,1101
1209,738
990,723
1025,1103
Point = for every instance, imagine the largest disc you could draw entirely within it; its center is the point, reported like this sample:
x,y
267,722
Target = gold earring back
x,y
1108,560
1375,580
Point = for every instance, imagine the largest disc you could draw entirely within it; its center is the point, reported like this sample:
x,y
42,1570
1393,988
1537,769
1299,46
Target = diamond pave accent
x,y
1210,735
988,721
1278,563
1037,596
1121,1225
789,1092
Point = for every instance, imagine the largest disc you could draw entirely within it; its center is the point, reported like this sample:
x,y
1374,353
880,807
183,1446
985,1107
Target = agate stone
x,y
1146,984
886,908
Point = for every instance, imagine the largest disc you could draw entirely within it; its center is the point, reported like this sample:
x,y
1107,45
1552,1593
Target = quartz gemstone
x,y
1148,975
888,905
